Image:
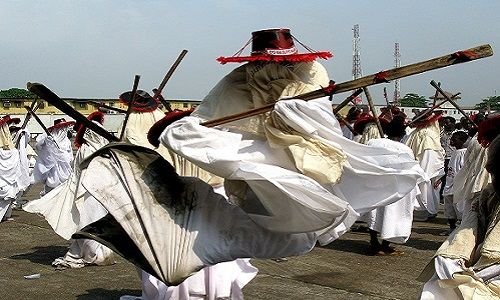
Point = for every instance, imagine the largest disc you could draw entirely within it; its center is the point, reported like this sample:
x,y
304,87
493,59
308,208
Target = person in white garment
x,y
21,138
219,281
424,141
392,222
68,207
467,265
10,169
473,177
351,117
456,162
55,156
296,153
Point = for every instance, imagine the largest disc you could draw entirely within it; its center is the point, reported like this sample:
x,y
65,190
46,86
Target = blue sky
x,y
93,48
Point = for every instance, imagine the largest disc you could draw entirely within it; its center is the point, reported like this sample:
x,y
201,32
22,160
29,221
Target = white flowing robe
x,y
23,138
55,156
10,172
212,281
394,221
68,208
427,149
280,198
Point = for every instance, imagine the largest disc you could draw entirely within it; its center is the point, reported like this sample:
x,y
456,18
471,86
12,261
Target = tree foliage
x,y
493,101
414,100
15,93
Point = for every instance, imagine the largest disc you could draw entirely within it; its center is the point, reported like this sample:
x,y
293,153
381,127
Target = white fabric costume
x,y
22,138
212,281
55,156
10,172
296,154
467,265
427,149
394,221
473,177
178,234
69,207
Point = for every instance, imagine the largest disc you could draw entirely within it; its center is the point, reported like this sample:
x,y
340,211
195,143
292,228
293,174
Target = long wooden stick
x,y
44,93
130,105
347,100
167,77
374,113
33,114
430,109
95,103
380,77
34,106
438,88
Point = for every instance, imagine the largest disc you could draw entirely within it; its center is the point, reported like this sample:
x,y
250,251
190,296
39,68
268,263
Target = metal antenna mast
x,y
356,59
397,63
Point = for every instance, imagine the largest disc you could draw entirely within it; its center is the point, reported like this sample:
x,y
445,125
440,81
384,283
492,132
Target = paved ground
x,y
341,270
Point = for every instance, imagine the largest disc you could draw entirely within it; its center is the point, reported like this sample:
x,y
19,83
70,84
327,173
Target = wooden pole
x,y
438,88
44,93
130,106
380,77
374,113
424,112
33,114
166,78
107,107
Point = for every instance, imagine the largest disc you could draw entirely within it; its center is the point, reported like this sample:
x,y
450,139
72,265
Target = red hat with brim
x,y
80,128
363,120
143,102
429,118
8,120
274,45
60,123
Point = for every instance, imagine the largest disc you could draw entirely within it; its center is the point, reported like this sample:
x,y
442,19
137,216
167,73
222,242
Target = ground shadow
x,y
422,244
429,230
42,255
352,246
103,294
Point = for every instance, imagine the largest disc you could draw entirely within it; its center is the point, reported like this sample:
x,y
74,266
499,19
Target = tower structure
x,y
397,64
356,59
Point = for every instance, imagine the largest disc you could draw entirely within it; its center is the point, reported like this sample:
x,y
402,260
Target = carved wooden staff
x,y
44,93
438,88
166,78
130,105
380,77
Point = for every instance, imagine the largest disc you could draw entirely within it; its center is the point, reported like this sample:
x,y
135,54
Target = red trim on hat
x,y
304,57
80,130
61,124
8,120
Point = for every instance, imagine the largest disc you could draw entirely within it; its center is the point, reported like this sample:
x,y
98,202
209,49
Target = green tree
x,y
493,101
15,93
414,100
